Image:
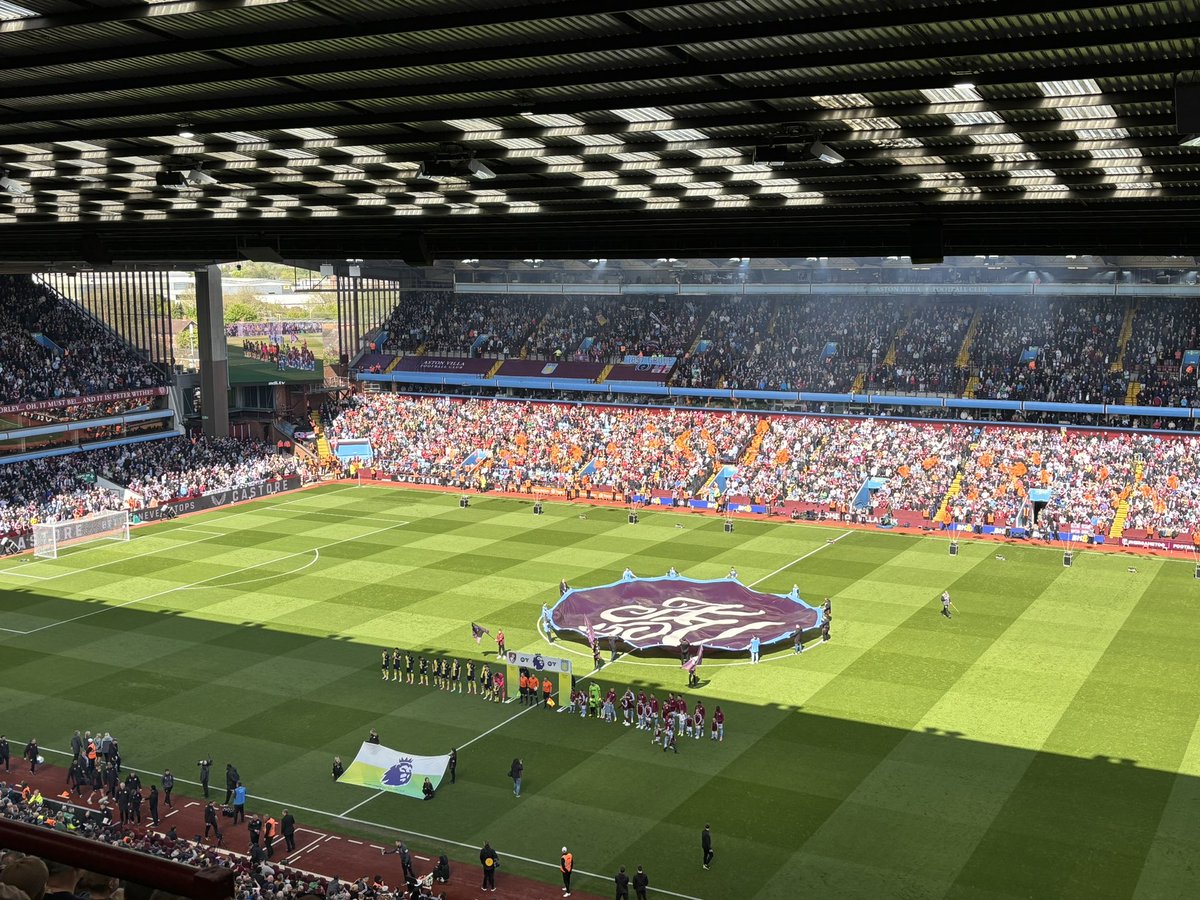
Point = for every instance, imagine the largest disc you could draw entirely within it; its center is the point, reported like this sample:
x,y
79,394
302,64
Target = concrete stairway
x,y
1118,363
964,352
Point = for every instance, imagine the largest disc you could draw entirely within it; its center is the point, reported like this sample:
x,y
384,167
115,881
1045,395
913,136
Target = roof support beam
x,y
737,68
819,119
641,40
545,11
45,125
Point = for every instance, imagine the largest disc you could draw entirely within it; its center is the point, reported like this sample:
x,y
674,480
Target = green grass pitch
x,y
1043,743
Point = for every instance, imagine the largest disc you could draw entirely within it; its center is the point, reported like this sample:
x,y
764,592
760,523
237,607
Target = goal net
x,y
51,537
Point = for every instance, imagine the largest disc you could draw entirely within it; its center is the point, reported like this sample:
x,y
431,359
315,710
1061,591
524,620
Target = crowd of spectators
x,y
475,324
52,489
1062,349
927,348
27,877
593,328
413,320
1167,499
1070,345
1163,331
826,461
89,359
519,445
1086,475
819,344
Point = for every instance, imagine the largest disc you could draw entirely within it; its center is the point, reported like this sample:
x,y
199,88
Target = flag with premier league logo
x,y
385,769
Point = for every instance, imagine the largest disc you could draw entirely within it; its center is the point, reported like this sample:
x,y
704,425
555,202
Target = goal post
x,y
51,537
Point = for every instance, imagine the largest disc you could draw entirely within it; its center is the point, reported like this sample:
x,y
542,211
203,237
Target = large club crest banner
x,y
721,614
385,769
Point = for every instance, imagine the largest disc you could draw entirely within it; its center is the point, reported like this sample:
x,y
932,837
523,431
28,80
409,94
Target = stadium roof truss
x,y
418,128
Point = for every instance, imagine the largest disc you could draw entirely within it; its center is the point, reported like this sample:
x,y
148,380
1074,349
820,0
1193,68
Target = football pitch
x,y
1042,743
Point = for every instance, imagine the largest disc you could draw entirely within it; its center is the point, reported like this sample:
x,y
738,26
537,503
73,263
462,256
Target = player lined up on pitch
x,y
666,720
452,675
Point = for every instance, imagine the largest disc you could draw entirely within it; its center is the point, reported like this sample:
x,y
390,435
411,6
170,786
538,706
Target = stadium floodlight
x,y
185,131
479,170
198,177
455,166
825,154
12,186
51,537
964,86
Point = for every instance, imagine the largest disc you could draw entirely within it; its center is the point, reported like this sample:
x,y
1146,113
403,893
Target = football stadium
x,y
702,450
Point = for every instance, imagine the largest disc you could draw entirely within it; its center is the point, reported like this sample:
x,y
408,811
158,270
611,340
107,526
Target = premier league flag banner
x,y
385,769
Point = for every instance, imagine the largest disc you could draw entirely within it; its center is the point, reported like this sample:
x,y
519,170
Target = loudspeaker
x,y
537,507
1066,559
464,501
954,548
729,526
633,517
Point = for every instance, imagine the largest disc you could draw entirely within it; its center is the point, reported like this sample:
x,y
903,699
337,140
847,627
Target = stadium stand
x,y
813,344
923,358
1165,501
51,489
189,867
1056,350
520,446
50,349
1084,473
1163,331
806,463
1059,351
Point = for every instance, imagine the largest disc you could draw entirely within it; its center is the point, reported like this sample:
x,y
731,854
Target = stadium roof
x,y
370,127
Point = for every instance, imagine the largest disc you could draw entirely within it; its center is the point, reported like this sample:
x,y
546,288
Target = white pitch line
x,y
437,839
511,718
319,837
802,558
182,587
479,737
15,569
357,805
312,562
